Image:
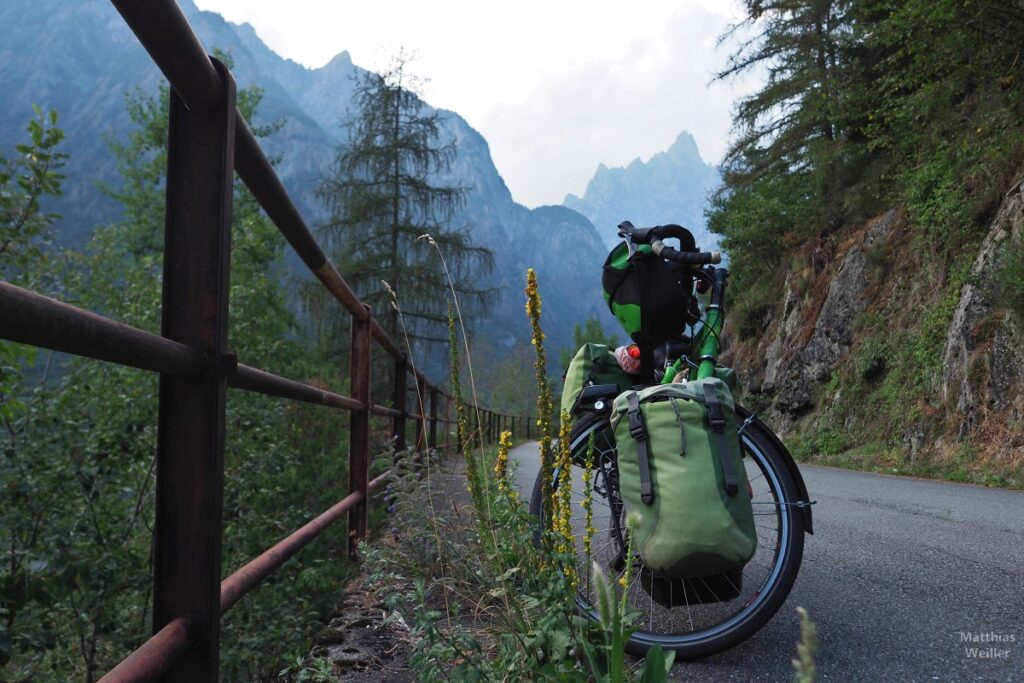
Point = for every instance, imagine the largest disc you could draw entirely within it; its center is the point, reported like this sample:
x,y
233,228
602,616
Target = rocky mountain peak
x,y
685,147
673,186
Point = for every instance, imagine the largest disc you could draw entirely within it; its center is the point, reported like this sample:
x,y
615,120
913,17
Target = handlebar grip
x,y
663,232
687,258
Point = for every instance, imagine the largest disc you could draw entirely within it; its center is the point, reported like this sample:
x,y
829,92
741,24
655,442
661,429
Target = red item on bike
x,y
633,350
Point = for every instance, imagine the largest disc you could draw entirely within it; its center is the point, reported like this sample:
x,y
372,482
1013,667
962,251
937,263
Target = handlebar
x,y
687,258
654,236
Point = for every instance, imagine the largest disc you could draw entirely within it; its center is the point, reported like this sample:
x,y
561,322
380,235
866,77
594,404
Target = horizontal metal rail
x,y
262,382
246,578
38,320
156,656
384,411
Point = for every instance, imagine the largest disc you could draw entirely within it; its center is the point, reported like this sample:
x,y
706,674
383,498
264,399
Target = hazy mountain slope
x,y
671,187
81,59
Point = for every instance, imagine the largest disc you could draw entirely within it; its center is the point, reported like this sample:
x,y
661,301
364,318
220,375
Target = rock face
x,y
836,283
792,366
672,187
983,362
81,58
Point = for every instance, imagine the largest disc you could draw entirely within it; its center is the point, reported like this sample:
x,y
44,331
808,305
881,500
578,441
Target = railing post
x,y
512,426
398,398
190,432
432,443
421,408
359,429
447,423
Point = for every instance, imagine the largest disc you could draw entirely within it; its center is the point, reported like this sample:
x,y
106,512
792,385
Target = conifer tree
x,y
792,125
384,192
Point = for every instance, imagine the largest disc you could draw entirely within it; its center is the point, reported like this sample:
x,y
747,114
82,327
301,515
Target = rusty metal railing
x,y
208,142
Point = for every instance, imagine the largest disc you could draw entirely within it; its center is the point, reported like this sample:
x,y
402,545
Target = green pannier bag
x,y
592,364
681,472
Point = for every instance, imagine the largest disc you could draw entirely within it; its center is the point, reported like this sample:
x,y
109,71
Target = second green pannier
x,y
681,473
592,364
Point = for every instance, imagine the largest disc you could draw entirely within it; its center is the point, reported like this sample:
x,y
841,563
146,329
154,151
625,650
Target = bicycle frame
x,y
708,338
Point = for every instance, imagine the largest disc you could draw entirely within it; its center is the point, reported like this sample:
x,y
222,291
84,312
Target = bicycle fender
x,y
743,415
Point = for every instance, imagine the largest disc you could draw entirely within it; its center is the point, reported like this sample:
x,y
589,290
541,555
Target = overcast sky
x,y
556,86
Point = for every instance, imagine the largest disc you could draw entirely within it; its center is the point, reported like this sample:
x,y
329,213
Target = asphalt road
x,y
897,574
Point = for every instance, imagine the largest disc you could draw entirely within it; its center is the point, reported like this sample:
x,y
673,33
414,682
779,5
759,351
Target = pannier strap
x,y
717,421
638,431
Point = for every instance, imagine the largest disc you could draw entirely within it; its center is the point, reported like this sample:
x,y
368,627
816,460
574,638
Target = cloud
x,y
615,109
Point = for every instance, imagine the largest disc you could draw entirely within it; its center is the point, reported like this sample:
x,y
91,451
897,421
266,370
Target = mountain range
x,y
81,59
671,187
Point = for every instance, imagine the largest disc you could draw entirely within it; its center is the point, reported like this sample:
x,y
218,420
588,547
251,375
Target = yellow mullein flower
x,y
588,499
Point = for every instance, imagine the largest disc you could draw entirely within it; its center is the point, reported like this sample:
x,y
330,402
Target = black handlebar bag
x,y
651,298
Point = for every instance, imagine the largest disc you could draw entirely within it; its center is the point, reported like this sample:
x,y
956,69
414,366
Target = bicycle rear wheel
x,y
707,620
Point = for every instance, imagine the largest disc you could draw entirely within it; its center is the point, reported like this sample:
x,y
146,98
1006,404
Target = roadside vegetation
x,y
489,596
486,593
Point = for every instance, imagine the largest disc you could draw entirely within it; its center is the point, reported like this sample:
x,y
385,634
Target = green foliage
x,y
33,174
24,234
937,201
520,580
794,125
870,105
824,441
606,658
303,671
872,358
492,604
590,332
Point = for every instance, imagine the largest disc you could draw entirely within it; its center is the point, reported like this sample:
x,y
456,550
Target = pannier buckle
x,y
636,426
717,423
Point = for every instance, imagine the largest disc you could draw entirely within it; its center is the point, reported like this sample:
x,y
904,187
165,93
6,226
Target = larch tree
x,y
383,194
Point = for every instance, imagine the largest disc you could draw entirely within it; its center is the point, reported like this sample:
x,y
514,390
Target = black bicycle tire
x,y
778,592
